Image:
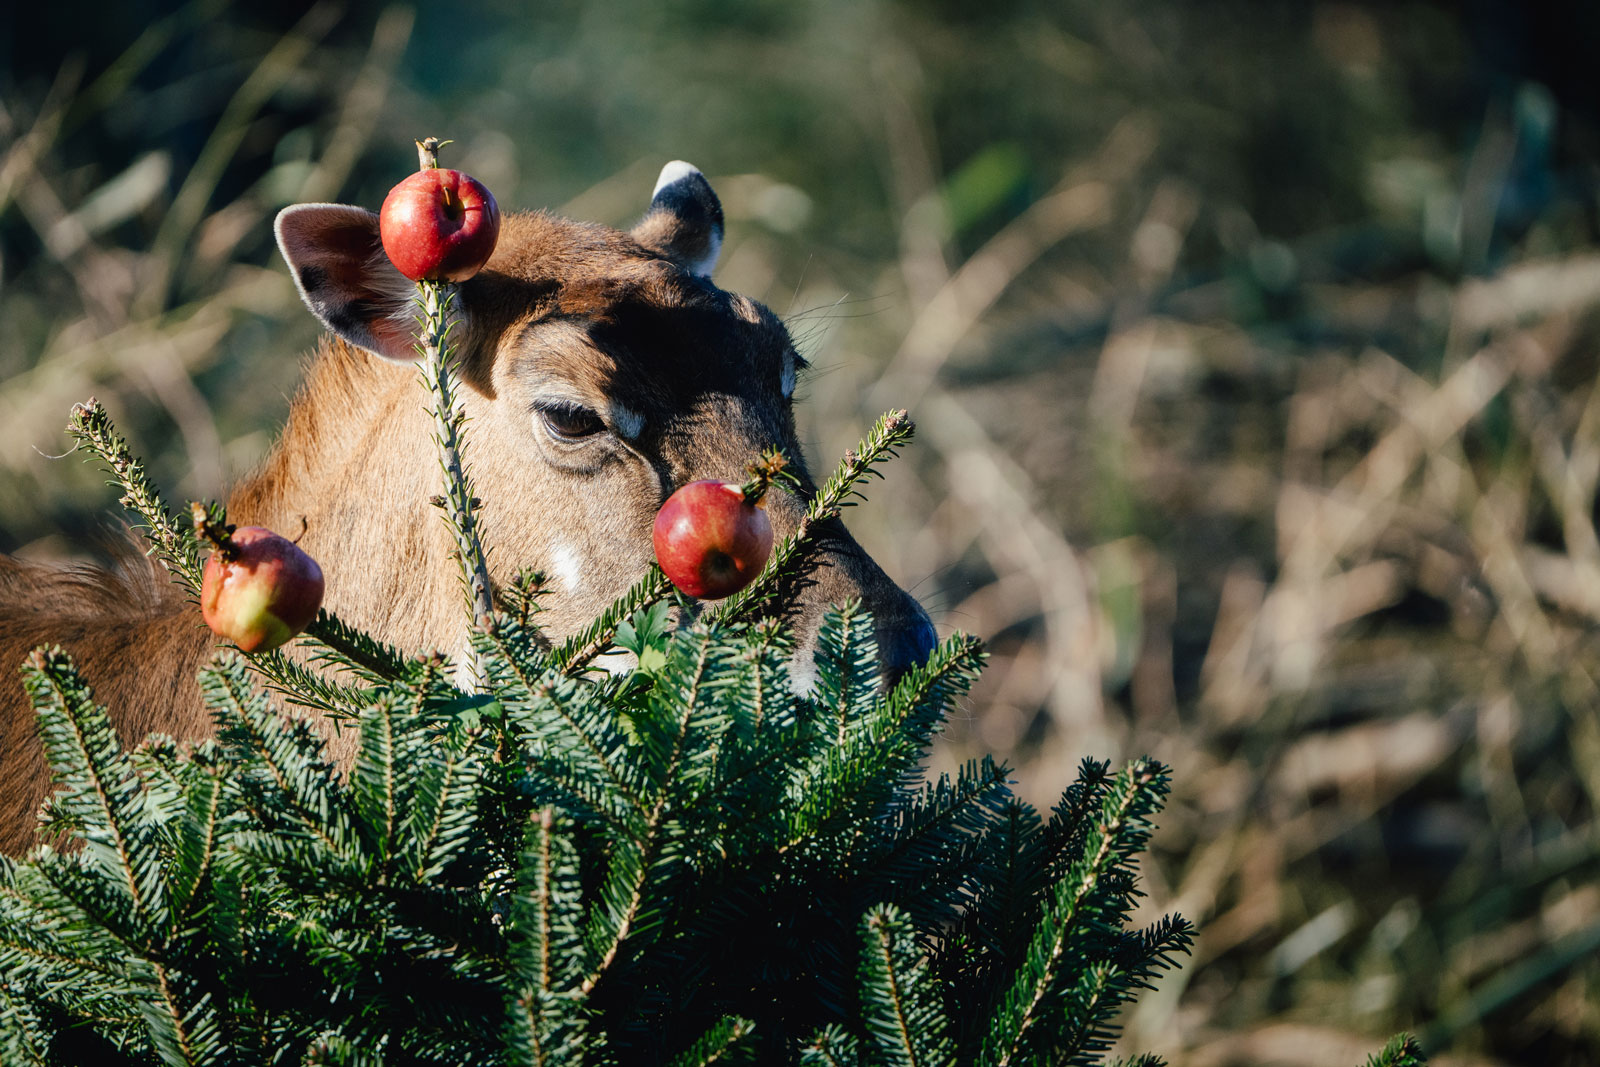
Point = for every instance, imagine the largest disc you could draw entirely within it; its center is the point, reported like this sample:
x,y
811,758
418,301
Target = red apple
x,y
440,225
259,589
710,541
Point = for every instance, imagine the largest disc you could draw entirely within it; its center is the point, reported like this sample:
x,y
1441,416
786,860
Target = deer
x,y
602,369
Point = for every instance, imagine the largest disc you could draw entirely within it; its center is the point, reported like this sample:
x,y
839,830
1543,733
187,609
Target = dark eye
x,y
794,365
569,422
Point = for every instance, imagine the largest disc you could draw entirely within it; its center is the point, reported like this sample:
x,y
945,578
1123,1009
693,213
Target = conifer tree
x,y
686,864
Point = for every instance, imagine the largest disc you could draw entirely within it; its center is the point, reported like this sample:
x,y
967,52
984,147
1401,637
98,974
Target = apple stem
x,y
770,468
428,153
219,534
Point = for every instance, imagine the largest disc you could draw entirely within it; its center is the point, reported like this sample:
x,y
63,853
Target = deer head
x,y
603,371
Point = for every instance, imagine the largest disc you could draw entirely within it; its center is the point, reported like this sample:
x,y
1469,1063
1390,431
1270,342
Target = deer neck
x,y
352,476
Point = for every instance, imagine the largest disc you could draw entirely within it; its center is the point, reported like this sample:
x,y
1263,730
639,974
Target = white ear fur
x,y
675,172
685,219
339,266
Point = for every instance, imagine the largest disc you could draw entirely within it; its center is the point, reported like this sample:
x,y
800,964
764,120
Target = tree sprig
x,y
842,489
171,539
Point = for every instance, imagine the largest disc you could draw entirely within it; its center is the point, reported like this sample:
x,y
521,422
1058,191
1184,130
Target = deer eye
x,y
566,421
793,365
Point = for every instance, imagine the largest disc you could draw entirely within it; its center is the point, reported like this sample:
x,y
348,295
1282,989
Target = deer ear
x,y
684,222
347,281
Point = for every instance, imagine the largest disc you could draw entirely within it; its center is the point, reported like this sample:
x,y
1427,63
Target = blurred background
x,y
1253,347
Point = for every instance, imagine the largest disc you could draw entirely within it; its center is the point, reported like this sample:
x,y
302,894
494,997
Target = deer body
x,y
601,371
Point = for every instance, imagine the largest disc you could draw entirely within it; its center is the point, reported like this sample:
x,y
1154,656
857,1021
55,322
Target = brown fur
x,y
580,312
108,620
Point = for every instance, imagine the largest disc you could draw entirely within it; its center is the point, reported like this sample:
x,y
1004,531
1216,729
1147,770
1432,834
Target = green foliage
x,y
92,428
434,302
1401,1051
693,867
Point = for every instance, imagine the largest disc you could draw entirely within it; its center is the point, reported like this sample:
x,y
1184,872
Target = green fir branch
x,y
755,687
916,705
621,899
842,489
44,936
308,688
578,651
171,540
441,778
100,795
1021,1028
547,1030
182,554
119,881
23,1039
340,1050
345,646
849,688
1403,1050
570,739
770,649
375,779
1090,996
625,892
832,1046
163,769
1070,816
683,727
1006,907
181,1038
522,599
435,322
848,781
195,847
726,1042
925,858
900,1004
546,913
282,766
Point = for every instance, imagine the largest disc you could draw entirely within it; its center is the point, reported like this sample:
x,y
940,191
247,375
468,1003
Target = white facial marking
x,y
626,421
802,674
567,566
619,662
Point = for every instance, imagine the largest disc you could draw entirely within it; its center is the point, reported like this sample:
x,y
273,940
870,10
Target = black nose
x,y
905,641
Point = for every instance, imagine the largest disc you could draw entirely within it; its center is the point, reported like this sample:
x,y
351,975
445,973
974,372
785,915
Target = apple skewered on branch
x,y
438,224
712,538
258,589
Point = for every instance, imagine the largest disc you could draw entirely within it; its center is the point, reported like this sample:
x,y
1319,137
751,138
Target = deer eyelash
x,y
567,421
794,368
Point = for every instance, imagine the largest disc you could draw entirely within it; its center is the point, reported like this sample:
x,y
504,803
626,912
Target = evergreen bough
x,y
685,864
